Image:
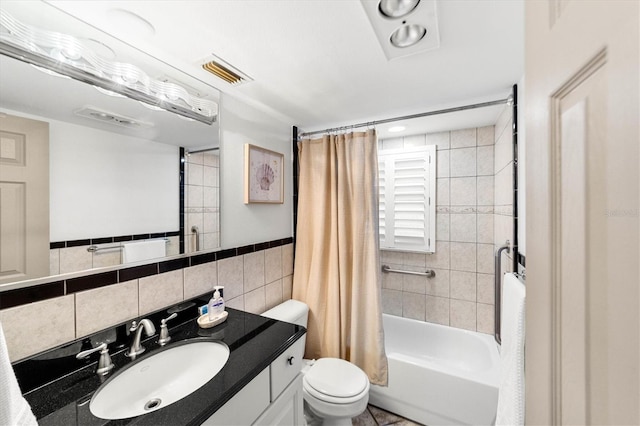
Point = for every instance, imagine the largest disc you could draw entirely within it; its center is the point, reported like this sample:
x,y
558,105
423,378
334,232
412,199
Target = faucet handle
x,y
170,317
104,364
164,331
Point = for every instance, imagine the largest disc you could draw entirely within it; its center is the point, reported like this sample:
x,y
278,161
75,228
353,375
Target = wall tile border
x,y
106,240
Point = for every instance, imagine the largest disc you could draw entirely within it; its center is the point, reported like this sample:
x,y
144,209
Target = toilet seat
x,y
335,381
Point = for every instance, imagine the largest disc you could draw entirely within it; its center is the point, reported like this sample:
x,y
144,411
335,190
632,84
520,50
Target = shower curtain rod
x,y
187,152
407,117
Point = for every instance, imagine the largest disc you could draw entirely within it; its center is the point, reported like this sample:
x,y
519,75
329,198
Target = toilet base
x,y
312,419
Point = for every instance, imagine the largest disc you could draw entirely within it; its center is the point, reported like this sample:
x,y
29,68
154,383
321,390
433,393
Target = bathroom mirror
x,y
137,140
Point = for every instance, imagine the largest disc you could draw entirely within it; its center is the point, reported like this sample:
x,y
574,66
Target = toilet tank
x,y
292,311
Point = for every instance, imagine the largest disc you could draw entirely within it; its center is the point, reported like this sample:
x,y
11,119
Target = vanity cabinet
x,y
287,409
273,397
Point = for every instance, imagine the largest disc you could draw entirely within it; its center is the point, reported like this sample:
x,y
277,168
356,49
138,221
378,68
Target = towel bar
x,y
429,273
94,249
497,302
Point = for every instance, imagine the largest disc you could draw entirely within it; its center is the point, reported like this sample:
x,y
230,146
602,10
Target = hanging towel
x,y
143,250
511,391
15,409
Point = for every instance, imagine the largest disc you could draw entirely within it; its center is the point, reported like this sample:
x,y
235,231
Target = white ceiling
x,y
318,63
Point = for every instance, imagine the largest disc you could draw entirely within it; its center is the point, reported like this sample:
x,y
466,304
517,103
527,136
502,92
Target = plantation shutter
x,y
407,199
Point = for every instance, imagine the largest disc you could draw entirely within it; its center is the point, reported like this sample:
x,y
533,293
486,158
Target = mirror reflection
x,y
114,169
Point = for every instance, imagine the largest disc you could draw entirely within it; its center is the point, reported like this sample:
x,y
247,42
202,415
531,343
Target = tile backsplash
x,y
462,292
254,281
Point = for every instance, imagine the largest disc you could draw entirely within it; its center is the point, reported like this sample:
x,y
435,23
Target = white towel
x,y
143,250
511,393
15,410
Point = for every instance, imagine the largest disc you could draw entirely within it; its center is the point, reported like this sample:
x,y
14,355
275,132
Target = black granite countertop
x,y
59,388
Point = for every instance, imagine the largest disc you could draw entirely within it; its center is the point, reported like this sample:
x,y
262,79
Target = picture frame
x,y
264,175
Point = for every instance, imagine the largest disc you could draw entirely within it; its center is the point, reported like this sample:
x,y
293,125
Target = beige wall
x,y
253,282
471,165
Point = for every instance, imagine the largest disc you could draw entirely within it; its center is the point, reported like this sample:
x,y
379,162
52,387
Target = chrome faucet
x,y
149,329
104,364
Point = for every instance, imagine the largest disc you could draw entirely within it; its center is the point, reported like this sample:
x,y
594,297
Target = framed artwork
x,y
264,175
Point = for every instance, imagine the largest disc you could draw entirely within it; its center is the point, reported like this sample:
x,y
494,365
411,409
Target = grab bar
x,y
429,273
498,290
196,231
94,249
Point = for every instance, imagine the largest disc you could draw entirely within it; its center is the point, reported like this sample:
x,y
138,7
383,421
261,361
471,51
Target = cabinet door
x,y
286,367
246,405
287,409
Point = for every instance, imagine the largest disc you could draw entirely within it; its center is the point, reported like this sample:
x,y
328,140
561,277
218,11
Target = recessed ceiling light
x,y
92,112
396,129
408,35
397,8
415,30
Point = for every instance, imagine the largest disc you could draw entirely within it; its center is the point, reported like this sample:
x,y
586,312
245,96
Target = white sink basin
x,y
159,380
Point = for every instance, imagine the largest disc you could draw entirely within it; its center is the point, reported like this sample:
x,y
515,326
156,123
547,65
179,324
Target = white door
x,y
24,198
583,252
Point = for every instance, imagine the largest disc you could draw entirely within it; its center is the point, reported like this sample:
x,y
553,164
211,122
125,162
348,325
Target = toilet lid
x,y
336,377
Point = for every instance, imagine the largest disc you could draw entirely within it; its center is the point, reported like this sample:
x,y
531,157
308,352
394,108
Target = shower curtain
x,y
337,270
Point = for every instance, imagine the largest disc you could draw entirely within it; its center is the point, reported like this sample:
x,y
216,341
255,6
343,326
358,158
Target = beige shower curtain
x,y
337,268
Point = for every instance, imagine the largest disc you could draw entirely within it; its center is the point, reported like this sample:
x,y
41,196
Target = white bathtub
x,y
439,375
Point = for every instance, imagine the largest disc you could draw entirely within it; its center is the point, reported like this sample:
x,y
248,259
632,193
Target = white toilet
x,y
334,389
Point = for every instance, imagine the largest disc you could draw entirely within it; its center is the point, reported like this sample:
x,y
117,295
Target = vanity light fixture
x,y
67,55
403,27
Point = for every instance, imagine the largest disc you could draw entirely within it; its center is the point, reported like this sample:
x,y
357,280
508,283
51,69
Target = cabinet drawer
x,y
286,367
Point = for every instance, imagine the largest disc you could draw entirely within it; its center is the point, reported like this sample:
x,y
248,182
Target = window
x,y
407,182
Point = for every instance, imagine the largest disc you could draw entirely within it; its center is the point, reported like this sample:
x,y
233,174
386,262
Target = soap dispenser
x,y
216,304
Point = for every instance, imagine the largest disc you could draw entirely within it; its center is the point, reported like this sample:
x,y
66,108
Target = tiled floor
x,y
374,416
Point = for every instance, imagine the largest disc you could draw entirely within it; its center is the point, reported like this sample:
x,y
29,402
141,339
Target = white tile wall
x,y
468,193
201,200
463,138
463,191
463,162
462,314
463,285
441,140
463,228
443,163
463,256
486,136
437,310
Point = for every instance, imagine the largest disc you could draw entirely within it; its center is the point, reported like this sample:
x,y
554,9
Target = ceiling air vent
x,y
225,71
